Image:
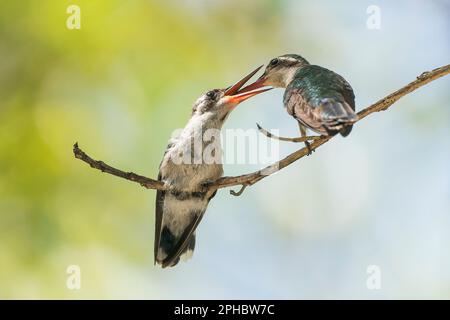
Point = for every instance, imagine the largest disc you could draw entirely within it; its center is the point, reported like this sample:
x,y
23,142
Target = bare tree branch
x,y
103,167
249,179
296,139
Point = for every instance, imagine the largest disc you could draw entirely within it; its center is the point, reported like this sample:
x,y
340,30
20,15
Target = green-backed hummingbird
x,y
180,208
318,98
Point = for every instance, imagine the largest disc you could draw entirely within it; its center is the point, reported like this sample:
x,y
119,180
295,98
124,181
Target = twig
x,y
103,167
297,139
249,179
238,193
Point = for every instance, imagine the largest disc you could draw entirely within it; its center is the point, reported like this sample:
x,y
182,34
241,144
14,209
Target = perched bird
x,y
318,98
180,209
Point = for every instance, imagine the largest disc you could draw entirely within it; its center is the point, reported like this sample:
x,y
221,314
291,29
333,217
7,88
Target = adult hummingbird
x,y
318,98
186,172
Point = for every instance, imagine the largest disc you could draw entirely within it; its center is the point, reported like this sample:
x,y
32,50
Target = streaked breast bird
x,y
180,209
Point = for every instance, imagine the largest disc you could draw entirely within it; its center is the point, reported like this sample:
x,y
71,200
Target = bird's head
x,y
279,72
218,103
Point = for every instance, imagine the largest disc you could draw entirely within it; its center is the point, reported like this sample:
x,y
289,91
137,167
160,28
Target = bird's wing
x,y
297,105
346,91
160,195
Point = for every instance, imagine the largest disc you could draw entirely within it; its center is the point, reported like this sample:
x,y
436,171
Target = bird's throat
x,y
288,76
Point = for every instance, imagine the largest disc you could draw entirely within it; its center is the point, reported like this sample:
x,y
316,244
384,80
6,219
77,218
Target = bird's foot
x,y
206,185
310,150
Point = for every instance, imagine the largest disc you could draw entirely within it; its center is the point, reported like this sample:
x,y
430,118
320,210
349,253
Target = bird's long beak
x,y
235,96
260,82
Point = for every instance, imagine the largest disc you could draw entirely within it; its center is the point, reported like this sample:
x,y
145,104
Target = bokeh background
x,y
127,79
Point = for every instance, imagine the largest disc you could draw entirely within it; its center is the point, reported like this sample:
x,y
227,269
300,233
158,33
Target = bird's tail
x,y
171,257
337,116
181,214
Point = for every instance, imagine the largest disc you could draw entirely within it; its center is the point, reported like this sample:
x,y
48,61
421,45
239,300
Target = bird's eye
x,y
211,94
274,62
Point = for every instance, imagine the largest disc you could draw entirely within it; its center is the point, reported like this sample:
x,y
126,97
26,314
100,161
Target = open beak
x,y
236,96
240,97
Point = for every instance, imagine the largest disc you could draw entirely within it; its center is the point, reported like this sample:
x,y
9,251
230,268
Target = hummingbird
x,y
319,99
180,208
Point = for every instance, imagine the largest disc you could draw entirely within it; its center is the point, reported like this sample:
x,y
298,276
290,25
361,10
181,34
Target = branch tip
x,y
237,194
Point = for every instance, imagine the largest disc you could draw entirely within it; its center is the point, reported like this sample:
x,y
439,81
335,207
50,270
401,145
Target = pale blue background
x,y
128,78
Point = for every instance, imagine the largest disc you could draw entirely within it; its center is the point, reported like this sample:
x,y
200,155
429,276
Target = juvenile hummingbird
x,y
180,209
318,98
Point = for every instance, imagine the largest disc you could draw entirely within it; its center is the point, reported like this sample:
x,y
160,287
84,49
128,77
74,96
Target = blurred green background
x,y
122,83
